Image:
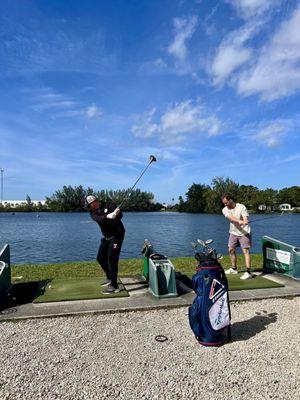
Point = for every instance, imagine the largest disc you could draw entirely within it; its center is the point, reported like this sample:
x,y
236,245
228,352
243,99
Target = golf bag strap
x,y
203,268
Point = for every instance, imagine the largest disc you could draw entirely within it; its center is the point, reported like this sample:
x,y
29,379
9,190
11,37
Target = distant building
x,y
286,207
262,207
166,206
14,203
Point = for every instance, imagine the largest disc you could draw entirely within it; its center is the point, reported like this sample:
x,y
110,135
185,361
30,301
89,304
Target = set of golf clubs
x,y
207,253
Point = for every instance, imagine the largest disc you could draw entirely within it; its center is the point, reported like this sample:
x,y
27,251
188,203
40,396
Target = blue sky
x,y
89,89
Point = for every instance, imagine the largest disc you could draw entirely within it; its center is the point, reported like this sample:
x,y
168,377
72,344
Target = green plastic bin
x,y
5,272
146,268
162,280
281,257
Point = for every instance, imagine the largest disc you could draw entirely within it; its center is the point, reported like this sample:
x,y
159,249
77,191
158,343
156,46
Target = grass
x,y
91,269
80,280
235,283
74,289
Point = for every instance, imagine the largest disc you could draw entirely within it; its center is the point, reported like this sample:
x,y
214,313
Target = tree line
x,y
73,199
199,198
207,198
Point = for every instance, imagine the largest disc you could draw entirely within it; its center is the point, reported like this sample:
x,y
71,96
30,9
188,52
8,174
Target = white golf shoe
x,y
246,275
231,271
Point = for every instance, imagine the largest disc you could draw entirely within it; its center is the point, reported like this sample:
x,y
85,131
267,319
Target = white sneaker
x,y
246,275
107,282
231,271
111,290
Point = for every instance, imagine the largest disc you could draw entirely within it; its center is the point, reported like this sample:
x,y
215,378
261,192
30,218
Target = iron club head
x,y
201,242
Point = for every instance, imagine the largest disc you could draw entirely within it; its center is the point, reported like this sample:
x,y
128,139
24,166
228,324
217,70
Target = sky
x,y
90,89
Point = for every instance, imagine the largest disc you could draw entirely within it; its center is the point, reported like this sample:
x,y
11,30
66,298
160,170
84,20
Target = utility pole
x,y
2,170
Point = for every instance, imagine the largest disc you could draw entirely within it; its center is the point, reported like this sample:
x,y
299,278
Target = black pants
x,y
108,257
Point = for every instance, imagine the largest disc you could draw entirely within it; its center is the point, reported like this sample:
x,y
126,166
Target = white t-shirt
x,y
238,212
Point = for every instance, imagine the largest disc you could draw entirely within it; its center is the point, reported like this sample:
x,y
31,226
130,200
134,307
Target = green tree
x,y
223,185
267,197
246,194
181,205
290,195
212,201
195,198
67,199
220,186
29,203
73,199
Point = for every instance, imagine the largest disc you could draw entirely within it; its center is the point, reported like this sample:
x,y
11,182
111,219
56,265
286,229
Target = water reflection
x,y
62,237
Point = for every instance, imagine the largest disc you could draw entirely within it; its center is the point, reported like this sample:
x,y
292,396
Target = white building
x,y
14,203
262,207
286,207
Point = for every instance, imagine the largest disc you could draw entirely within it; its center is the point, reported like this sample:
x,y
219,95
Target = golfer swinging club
x,y
112,228
239,234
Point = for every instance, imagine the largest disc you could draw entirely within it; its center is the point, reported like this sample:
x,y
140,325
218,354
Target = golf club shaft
x,y
265,218
131,189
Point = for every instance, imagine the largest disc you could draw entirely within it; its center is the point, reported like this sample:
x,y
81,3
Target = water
x,y
62,237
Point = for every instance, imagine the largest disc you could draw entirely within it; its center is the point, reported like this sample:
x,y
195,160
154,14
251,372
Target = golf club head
x,y
146,246
194,245
201,242
152,158
209,241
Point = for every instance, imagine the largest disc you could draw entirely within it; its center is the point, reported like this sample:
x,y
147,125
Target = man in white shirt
x,y
239,233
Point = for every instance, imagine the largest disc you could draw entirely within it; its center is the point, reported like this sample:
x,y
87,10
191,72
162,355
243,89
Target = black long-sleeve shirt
x,y
109,227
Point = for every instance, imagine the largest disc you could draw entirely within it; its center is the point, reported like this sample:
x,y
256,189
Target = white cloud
x,y
271,133
276,73
227,60
184,30
154,67
93,111
54,105
177,122
293,157
187,118
145,127
233,53
46,100
59,105
252,8
54,44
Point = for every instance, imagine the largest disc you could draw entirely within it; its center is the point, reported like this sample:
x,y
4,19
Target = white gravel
x,y
116,356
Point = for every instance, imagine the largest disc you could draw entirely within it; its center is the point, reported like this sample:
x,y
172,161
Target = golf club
x,y
152,159
265,218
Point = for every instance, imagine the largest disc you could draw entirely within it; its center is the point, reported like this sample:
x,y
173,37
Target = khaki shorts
x,y
244,241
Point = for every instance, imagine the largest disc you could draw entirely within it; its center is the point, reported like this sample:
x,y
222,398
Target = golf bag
x,y
209,315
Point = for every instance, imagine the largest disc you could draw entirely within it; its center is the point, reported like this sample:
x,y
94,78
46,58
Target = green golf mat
x,y
75,289
235,283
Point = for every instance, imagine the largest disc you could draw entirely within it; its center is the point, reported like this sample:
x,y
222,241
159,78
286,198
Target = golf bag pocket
x,y
209,315
194,316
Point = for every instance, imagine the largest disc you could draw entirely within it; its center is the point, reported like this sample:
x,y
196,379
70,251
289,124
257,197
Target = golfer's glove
x,y
113,214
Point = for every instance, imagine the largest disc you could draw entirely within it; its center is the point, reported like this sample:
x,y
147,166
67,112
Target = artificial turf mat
x,y
75,289
258,282
235,283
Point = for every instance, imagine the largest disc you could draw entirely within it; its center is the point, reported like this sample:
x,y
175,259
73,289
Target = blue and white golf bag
x,y
209,315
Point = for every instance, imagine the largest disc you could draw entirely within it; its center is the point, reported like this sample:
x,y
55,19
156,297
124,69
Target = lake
x,y
62,237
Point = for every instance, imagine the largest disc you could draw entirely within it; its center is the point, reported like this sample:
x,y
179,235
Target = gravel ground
x,y
116,356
